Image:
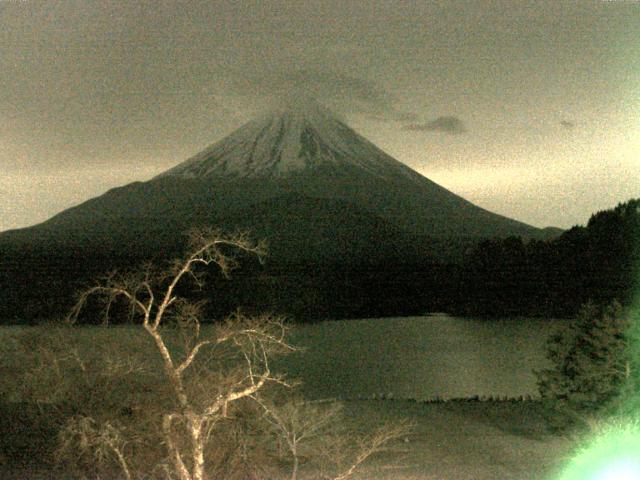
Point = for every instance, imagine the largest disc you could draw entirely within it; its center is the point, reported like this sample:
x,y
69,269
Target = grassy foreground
x,y
451,441
467,441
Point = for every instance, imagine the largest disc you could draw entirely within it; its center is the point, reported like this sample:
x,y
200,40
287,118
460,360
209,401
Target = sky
x,y
528,109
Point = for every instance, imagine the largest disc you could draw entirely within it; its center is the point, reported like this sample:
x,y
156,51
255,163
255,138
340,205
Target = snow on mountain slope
x,y
297,135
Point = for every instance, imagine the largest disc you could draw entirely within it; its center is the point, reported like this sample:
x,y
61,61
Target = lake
x,y
422,358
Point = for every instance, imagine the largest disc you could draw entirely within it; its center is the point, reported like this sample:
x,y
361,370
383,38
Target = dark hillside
x,y
597,262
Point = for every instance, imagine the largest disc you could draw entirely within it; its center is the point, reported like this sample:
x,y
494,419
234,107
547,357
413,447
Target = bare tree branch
x,y
375,443
191,356
181,468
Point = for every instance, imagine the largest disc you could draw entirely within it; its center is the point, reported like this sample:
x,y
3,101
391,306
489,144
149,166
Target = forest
x,y
493,277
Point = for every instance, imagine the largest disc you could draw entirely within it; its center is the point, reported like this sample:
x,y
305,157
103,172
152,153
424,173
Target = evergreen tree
x,y
589,362
628,403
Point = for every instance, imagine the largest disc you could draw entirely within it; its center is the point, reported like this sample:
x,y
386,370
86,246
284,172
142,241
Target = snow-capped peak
x,y
295,134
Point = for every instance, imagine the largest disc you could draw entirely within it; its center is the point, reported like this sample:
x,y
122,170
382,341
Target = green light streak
x,y
613,454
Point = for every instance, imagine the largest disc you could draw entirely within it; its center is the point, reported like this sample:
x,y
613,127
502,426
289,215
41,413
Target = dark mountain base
x,y
358,277
36,288
315,292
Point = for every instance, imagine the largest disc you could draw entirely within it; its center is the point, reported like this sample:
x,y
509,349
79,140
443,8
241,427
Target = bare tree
x,y
365,447
315,428
84,437
154,301
298,423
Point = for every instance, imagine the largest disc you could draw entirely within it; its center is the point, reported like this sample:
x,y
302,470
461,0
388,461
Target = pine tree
x,y
627,405
589,362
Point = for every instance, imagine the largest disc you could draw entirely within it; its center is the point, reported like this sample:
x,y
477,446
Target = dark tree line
x,y
597,262
511,276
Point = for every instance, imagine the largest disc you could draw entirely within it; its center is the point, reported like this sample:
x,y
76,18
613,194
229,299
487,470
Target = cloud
x,y
350,94
567,124
338,90
407,117
447,124
344,87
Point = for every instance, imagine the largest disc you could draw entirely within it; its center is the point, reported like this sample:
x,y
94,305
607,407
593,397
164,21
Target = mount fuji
x,y
296,165
297,176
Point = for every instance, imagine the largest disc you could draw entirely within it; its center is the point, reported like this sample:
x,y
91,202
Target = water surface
x,y
421,357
